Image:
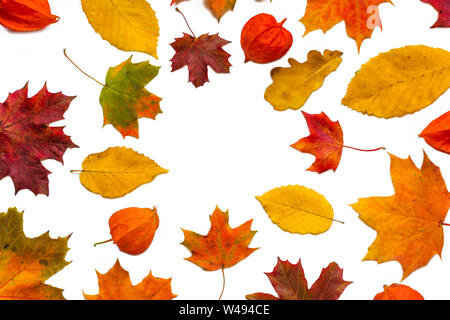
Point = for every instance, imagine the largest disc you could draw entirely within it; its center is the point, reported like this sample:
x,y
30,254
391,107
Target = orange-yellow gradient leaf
x,y
223,246
127,25
116,285
360,16
26,263
398,292
409,223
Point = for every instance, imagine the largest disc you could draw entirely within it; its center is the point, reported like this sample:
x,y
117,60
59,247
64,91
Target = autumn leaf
x,y
325,142
117,171
26,263
124,98
116,285
217,7
359,17
298,209
26,138
437,133
398,292
409,223
222,247
443,8
290,283
199,53
133,229
292,86
26,15
127,25
400,82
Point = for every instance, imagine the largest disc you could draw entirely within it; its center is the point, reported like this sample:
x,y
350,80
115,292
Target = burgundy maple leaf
x,y
199,53
26,139
290,283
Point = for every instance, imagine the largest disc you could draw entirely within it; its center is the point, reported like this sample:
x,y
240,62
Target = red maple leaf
x,y
290,283
26,139
199,53
325,142
443,8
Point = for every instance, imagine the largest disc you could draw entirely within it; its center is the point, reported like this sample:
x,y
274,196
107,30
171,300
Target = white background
x,y
223,144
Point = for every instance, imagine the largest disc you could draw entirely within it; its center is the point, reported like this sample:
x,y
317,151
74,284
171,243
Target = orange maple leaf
x,y
360,16
222,247
116,285
409,223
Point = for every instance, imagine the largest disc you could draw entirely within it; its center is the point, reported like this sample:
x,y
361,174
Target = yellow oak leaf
x,y
292,86
117,171
127,25
400,82
409,223
297,209
26,263
116,285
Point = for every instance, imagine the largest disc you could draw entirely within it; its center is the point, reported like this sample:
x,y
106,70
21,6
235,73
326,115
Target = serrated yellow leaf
x,y
400,82
292,86
297,209
117,171
127,25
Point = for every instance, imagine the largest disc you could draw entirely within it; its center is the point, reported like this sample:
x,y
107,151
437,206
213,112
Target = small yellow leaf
x,y
297,209
127,25
292,86
400,82
117,171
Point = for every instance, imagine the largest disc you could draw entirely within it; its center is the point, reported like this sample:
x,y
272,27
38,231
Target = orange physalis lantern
x,y
264,40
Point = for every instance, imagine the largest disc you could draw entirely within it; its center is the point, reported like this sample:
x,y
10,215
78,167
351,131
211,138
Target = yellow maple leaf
x,y
127,25
409,223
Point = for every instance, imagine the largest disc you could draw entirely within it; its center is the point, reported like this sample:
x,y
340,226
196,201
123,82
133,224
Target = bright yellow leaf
x,y
400,82
117,171
297,209
292,86
127,25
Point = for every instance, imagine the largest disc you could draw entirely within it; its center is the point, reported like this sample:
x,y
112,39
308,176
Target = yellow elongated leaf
x,y
117,171
400,82
297,209
127,25
292,86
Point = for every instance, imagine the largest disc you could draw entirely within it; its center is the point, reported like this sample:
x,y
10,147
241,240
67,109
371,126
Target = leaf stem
x,y
187,23
365,150
223,283
76,171
106,241
65,54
